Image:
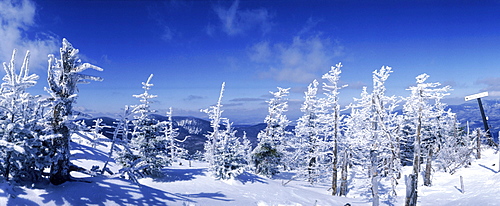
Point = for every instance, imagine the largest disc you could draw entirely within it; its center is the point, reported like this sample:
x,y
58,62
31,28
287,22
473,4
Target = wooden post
x,y
478,142
462,184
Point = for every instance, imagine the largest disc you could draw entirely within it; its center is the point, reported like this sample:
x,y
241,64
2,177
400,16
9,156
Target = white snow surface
x,y
184,185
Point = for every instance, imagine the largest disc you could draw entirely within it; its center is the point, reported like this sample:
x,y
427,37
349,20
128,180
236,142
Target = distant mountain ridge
x,y
196,128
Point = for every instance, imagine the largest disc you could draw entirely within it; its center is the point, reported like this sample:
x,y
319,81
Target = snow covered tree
x,y
267,157
122,130
95,131
215,116
309,131
385,128
21,150
372,133
455,145
147,146
63,76
333,118
420,117
223,150
174,150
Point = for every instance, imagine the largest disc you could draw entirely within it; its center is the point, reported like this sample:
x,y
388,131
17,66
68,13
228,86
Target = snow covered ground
x,y
184,185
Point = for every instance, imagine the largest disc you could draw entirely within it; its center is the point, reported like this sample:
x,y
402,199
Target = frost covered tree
x,y
455,148
420,117
174,150
384,148
333,118
309,131
95,131
223,150
22,153
147,145
63,76
372,133
267,157
122,131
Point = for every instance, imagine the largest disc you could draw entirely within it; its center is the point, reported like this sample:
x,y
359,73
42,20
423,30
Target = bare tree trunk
x,y
334,167
412,181
411,190
343,174
374,177
311,169
7,166
428,168
59,170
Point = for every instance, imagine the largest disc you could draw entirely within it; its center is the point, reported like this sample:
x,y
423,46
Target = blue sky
x,y
191,47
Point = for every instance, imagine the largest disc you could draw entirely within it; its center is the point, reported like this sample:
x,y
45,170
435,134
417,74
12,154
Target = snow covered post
x,y
63,77
462,188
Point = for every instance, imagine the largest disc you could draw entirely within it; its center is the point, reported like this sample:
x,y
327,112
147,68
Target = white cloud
x,y
260,52
16,19
235,22
301,61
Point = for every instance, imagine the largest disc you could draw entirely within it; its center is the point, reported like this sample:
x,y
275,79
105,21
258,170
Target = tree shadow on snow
x,y
11,193
246,177
88,153
494,171
116,191
173,175
216,196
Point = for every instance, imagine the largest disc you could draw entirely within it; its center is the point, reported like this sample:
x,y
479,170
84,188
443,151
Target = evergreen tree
x,y
268,155
223,150
147,145
63,76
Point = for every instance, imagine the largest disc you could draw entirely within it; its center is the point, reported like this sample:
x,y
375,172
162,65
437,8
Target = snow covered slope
x,y
185,185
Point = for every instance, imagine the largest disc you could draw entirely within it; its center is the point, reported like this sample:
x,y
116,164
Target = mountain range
x,y
194,129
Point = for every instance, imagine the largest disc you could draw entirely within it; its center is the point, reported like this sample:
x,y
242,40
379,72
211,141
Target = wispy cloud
x,y
193,98
16,20
247,99
492,85
235,21
301,60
